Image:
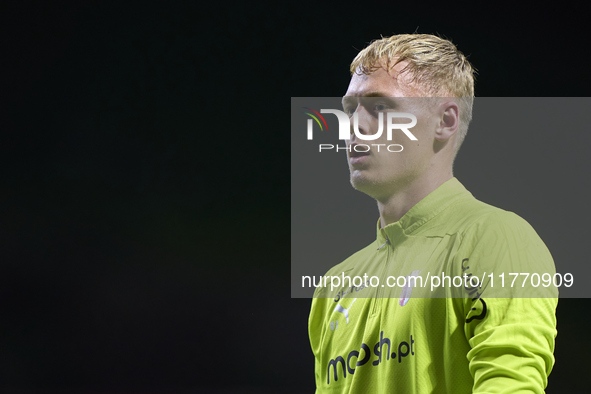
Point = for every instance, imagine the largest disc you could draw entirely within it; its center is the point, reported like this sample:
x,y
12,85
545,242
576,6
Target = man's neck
x,y
399,203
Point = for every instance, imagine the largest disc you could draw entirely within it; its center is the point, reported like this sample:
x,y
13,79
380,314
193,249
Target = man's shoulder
x,y
485,219
353,260
494,231
472,216
363,257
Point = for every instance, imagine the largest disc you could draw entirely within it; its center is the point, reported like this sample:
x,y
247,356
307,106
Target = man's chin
x,y
362,183
375,188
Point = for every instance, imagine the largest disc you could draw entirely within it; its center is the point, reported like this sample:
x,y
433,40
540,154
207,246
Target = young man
x,y
471,337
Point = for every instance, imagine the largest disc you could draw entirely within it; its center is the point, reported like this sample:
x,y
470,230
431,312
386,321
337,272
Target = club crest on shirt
x,y
407,289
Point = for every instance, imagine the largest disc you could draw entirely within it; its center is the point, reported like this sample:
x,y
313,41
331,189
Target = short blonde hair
x,y
434,63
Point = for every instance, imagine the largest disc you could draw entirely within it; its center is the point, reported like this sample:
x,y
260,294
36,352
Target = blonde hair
x,y
434,63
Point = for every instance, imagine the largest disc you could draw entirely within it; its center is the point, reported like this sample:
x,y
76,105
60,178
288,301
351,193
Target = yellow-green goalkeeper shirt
x,y
491,336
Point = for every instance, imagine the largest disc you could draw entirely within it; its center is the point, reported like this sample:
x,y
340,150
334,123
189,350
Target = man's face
x,y
382,173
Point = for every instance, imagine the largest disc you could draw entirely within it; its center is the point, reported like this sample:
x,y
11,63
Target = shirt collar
x,y
423,211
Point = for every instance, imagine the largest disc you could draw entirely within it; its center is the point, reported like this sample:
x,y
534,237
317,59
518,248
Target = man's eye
x,y
349,111
381,107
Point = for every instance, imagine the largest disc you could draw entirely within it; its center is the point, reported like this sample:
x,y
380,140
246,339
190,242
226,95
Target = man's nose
x,y
362,123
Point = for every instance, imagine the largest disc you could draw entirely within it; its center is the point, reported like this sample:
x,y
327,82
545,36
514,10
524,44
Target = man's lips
x,y
362,151
357,156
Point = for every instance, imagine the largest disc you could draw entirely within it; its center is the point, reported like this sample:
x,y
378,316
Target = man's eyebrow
x,y
347,99
369,94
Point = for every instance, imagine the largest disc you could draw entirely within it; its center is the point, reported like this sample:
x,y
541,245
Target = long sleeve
x,y
510,326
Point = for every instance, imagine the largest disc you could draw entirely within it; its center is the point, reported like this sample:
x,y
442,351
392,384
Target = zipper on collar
x,y
385,243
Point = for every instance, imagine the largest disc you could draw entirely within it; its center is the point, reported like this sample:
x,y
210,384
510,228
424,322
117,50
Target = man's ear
x,y
449,121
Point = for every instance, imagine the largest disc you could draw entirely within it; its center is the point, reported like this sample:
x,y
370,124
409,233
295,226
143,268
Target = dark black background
x,y
144,155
